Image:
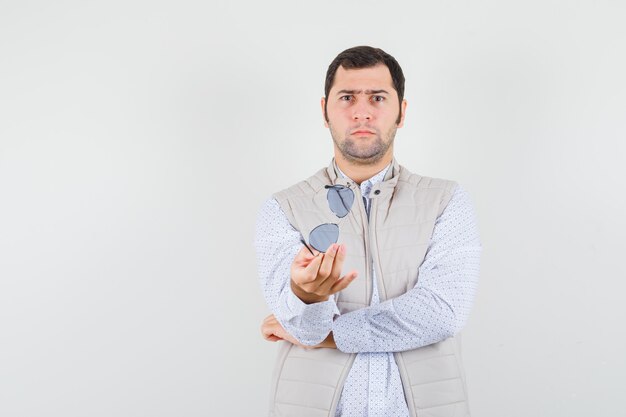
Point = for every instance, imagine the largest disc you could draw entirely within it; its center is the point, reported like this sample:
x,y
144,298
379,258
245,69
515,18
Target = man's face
x,y
362,111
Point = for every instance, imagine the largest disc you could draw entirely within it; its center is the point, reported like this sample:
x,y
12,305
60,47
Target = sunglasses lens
x,y
323,236
340,200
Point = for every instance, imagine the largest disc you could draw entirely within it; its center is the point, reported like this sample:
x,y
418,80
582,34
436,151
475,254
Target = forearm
x,y
385,328
277,243
437,308
439,304
310,324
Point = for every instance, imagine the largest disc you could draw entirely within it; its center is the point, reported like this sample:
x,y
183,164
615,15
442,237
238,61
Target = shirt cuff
x,y
298,308
308,323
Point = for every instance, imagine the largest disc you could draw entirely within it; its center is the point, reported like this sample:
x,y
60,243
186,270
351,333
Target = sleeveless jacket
x,y
403,211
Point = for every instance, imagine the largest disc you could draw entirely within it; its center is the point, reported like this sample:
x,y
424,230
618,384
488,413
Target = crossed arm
x,y
273,331
417,318
436,308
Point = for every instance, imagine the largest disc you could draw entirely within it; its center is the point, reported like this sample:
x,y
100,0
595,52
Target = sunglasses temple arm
x,y
307,246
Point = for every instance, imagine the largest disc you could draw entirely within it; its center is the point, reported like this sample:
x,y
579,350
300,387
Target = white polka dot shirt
x,y
435,309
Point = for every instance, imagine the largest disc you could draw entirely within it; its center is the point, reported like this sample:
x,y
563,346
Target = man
x,y
369,270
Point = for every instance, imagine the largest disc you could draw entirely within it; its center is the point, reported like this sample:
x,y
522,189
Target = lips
x,y
362,132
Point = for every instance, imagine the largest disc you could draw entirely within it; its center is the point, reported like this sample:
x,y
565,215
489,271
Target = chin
x,y
361,159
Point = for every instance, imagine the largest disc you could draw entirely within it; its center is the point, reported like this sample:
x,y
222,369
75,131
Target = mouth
x,y
362,132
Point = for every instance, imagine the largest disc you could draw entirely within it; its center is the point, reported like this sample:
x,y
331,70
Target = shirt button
x,y
377,192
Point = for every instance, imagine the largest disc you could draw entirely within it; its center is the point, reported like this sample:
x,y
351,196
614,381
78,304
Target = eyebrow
x,y
360,91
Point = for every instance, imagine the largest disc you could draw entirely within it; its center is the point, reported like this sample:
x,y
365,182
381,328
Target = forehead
x,y
373,78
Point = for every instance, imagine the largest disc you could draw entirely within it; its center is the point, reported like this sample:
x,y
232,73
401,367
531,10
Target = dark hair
x,y
365,57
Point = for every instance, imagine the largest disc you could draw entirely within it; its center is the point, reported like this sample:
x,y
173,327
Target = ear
x,y
402,112
323,103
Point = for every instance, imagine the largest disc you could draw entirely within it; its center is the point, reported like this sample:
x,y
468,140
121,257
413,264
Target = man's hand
x,y
316,278
273,331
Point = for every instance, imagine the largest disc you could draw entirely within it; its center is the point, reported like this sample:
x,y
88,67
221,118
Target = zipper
x,y
366,235
368,289
382,296
382,291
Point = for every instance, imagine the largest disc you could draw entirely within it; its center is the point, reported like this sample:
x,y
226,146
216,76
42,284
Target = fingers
x,y
338,264
272,331
311,270
268,327
304,255
317,277
331,268
321,267
305,273
343,282
327,265
334,285
332,264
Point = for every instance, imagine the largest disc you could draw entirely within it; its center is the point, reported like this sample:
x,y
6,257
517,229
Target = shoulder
x,y
305,187
408,178
461,202
300,193
459,221
271,218
423,187
269,207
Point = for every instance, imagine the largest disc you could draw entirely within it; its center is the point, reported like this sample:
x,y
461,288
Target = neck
x,y
359,172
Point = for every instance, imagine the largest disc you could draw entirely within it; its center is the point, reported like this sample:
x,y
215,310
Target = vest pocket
x,y
436,380
309,381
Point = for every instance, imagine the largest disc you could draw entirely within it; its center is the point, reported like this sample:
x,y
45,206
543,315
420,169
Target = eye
x,y
345,98
378,98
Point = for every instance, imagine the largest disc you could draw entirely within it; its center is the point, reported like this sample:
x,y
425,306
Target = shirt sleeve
x,y
277,242
439,304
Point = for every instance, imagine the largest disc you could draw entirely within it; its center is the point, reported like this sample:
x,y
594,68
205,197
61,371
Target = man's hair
x,y
365,57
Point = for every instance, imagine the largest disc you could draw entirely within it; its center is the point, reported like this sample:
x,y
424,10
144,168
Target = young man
x,y
369,270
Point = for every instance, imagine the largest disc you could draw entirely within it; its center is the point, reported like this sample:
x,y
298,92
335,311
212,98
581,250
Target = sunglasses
x,y
340,199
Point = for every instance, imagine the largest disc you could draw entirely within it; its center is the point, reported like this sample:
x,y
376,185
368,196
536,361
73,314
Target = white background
x,y
139,138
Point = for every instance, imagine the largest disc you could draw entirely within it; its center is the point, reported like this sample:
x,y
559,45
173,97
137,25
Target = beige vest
x,y
403,211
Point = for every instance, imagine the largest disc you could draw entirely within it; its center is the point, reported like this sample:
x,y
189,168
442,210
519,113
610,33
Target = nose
x,y
361,112
361,115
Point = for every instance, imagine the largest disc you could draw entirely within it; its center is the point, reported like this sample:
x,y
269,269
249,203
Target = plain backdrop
x,y
138,140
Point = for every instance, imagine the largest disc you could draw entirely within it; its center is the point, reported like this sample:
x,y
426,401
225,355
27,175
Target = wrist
x,y
306,297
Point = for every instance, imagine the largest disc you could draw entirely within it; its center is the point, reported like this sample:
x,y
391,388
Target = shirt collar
x,y
367,185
